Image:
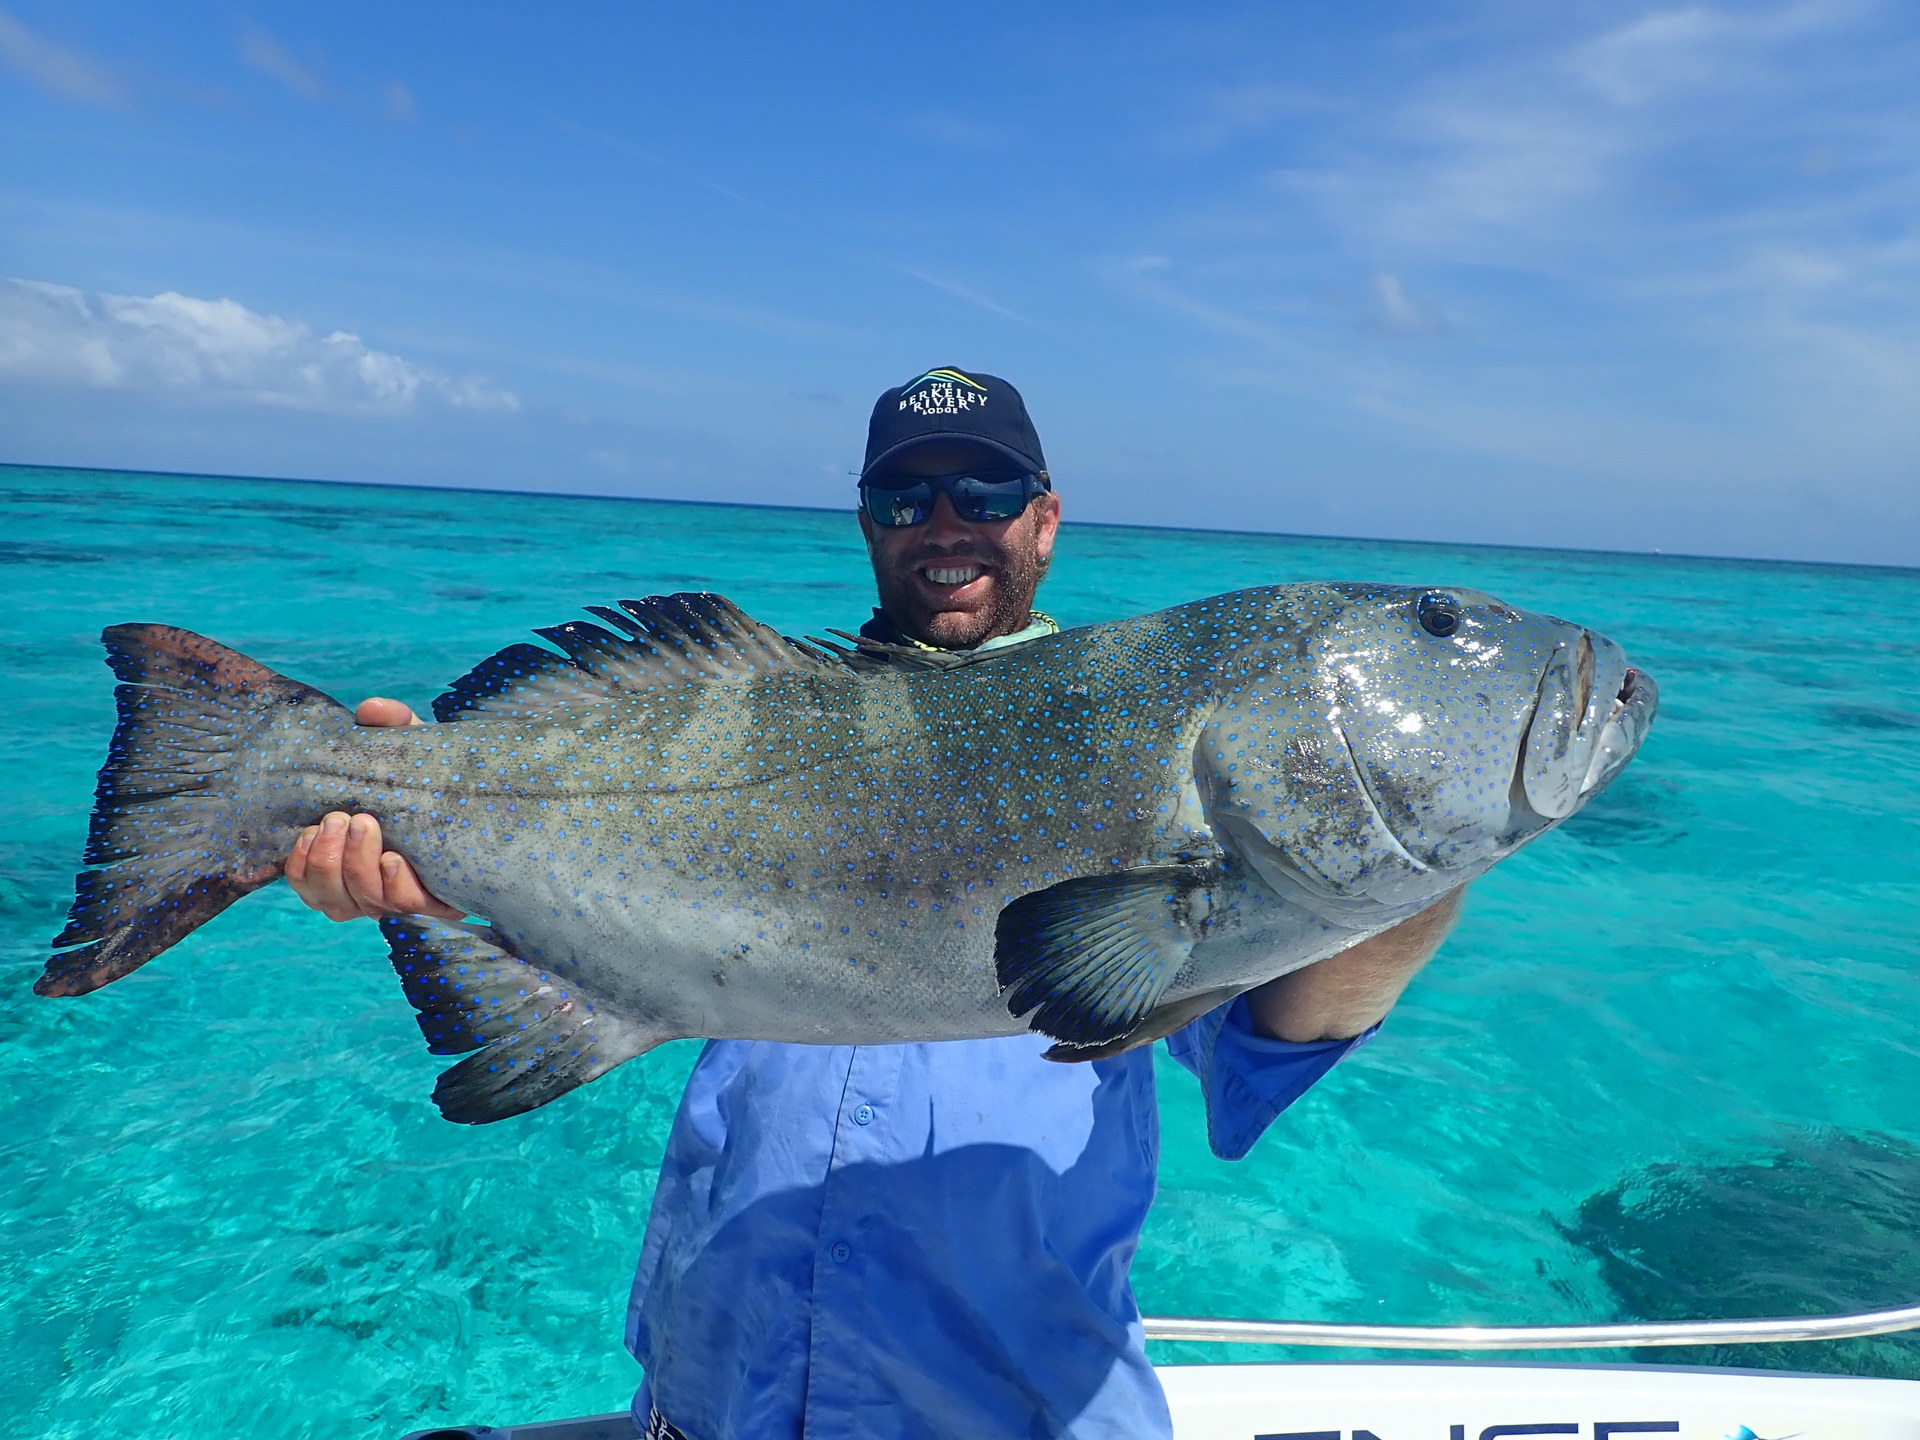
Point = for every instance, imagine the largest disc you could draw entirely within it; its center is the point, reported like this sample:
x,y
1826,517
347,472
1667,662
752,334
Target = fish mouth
x,y
1586,724
1632,686
1627,722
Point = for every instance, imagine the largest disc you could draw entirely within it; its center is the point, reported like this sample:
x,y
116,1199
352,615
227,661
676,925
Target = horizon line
x,y
834,510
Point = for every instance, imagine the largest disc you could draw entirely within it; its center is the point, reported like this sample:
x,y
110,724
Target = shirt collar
x,y
1039,625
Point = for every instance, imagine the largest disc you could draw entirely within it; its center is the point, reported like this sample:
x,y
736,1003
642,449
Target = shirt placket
x,y
839,1334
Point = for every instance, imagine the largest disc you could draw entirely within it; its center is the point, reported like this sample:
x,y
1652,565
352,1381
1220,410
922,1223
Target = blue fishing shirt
x,y
932,1240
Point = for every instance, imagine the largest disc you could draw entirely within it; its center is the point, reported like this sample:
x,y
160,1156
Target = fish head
x,y
1380,745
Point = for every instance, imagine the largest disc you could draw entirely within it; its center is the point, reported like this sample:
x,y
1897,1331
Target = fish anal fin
x,y
538,1034
1091,957
1159,1024
667,641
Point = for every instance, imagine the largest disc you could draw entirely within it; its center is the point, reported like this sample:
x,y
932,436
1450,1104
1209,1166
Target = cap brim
x,y
980,442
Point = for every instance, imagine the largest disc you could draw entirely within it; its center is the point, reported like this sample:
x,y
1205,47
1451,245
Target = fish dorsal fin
x,y
668,641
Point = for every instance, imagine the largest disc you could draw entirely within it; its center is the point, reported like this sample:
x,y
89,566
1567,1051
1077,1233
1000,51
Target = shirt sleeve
x,y
1247,1078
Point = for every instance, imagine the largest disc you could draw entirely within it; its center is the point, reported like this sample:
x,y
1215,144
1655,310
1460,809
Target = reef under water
x,y
1830,1224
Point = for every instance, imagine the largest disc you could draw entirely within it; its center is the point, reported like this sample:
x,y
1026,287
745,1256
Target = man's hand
x,y
338,866
1337,998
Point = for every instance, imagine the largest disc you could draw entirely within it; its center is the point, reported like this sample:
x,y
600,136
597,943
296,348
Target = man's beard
x,y
1016,576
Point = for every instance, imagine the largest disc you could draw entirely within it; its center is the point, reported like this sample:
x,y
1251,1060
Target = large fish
x,y
686,825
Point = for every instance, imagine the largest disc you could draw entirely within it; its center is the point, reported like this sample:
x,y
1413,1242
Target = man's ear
x,y
1046,516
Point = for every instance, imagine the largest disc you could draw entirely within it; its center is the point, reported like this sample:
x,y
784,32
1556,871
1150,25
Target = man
x,y
926,1240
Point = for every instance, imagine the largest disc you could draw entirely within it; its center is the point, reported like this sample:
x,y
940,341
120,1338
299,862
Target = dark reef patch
x,y
1827,1226
13,552
1873,717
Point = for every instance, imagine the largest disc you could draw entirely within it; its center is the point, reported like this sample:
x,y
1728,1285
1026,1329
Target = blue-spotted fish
x,y
680,823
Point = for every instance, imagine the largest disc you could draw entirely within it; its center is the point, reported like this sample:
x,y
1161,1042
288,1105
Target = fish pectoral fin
x,y
1161,1023
1092,957
538,1034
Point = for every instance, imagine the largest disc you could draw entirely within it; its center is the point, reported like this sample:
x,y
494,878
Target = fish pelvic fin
x,y
1159,1023
538,1035
175,838
1092,957
667,641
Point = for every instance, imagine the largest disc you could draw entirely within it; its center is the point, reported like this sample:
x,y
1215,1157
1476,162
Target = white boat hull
x,y
1492,1401
1478,1401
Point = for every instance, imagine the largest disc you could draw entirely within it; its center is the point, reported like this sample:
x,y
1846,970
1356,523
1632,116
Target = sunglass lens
x,y
975,500
984,501
896,509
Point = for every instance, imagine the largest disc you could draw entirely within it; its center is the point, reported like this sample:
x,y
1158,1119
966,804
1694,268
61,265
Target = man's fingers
x,y
379,710
338,868
405,894
296,866
360,867
320,883
335,866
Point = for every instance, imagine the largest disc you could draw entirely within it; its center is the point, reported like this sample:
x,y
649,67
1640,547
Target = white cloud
x,y
1398,312
1539,147
961,292
1231,113
263,51
267,55
398,102
55,334
1149,277
954,131
63,73
1694,47
1666,248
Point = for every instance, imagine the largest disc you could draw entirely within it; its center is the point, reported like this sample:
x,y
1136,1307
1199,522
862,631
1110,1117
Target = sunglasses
x,y
977,499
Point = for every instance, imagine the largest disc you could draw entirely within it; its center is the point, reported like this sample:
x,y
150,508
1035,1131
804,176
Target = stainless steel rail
x,y
1534,1337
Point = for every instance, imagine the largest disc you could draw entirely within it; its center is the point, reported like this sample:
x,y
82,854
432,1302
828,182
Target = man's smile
x,y
951,574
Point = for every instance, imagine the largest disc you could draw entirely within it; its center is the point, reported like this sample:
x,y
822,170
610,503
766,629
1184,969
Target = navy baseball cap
x,y
951,404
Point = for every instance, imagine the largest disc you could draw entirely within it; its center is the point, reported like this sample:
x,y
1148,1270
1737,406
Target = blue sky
x,y
1618,275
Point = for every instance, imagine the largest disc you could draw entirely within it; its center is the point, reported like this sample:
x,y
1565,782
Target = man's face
x,y
952,583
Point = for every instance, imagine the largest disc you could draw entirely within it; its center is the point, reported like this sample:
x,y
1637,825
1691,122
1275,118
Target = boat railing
x,y
1534,1337
620,1426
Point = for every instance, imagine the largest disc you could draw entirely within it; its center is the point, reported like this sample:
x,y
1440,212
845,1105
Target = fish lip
x,y
1625,717
1634,686
1630,717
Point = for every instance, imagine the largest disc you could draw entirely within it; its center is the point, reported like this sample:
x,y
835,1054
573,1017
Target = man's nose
x,y
944,525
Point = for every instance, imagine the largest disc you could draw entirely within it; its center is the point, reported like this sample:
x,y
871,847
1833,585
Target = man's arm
x,y
1337,998
338,866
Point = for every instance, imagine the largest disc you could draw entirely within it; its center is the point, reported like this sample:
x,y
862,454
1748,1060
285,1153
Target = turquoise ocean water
x,y
1669,1065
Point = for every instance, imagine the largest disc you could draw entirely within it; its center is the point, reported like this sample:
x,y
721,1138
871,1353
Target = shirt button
x,y
841,1252
864,1115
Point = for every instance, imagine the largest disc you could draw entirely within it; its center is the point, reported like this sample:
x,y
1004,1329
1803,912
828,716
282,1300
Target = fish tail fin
x,y
177,832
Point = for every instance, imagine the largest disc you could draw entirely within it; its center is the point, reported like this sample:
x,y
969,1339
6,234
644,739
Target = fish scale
x,y
689,825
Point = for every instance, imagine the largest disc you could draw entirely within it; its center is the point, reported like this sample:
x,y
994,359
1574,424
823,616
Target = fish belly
x,y
695,956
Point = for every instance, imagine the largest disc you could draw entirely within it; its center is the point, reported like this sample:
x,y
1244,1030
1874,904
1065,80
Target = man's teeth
x,y
958,575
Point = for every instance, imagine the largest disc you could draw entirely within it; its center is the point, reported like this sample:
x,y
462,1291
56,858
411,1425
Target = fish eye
x,y
1439,614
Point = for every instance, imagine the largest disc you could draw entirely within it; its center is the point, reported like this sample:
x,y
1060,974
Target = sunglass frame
x,y
924,488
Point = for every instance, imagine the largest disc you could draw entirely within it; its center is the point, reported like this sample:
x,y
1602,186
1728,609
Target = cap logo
x,y
943,392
